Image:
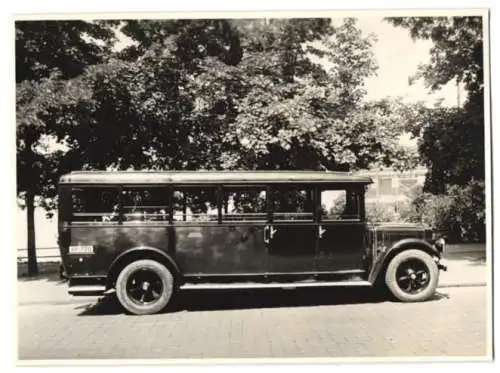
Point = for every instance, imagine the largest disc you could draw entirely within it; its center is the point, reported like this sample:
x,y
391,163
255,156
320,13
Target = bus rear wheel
x,y
144,287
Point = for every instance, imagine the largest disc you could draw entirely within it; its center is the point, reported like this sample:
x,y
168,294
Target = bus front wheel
x,y
144,287
412,276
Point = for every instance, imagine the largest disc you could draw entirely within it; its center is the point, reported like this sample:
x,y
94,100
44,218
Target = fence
x,y
43,254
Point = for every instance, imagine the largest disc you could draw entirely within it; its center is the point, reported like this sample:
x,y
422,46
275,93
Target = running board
x,y
87,290
292,285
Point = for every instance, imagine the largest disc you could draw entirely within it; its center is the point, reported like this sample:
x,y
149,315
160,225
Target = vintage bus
x,y
146,235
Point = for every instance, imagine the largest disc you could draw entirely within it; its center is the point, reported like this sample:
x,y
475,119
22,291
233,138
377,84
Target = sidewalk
x,y
47,292
466,267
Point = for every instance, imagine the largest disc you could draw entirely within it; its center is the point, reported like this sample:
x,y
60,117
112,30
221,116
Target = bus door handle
x,y
321,231
272,232
269,232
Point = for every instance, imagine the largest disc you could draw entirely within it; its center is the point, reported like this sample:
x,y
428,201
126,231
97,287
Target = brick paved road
x,y
323,323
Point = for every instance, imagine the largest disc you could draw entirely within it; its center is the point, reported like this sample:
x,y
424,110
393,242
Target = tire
x,y
404,276
148,280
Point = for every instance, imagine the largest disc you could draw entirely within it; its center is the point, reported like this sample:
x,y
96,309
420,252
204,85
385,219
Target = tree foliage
x,y
457,51
48,55
43,47
452,139
234,94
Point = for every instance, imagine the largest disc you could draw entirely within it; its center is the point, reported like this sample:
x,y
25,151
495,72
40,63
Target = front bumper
x,y
442,267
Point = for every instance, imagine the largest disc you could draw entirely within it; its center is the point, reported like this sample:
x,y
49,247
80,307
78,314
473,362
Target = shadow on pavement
x,y
195,301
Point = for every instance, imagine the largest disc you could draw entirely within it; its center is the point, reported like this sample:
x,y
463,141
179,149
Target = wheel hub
x,y
144,287
412,276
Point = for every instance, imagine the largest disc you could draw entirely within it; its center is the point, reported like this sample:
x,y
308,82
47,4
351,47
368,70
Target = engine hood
x,y
387,234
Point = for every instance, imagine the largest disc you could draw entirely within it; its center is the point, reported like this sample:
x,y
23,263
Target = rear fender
x,y
137,253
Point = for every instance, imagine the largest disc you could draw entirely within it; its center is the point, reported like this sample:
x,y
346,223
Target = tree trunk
x,y
30,207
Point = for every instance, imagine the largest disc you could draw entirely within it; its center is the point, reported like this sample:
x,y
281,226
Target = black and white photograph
x,y
253,186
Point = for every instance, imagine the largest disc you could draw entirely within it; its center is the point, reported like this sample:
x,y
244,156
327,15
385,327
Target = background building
x,y
390,186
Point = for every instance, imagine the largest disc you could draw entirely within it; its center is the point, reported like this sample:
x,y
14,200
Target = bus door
x,y
340,230
291,235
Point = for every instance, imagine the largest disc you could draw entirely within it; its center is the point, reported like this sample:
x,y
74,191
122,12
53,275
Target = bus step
x,y
87,290
274,285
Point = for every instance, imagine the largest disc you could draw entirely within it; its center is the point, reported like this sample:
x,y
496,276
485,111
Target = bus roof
x,y
210,177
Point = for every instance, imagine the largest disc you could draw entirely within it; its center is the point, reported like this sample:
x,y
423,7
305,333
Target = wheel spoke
x,y
422,277
421,273
421,280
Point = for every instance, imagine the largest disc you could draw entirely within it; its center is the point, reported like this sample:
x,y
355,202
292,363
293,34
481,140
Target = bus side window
x,y
145,204
239,204
95,204
340,205
192,204
292,204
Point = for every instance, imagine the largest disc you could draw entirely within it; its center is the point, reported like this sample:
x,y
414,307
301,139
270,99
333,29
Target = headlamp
x,y
440,244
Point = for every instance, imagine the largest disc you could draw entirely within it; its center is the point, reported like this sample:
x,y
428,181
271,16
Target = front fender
x,y
408,243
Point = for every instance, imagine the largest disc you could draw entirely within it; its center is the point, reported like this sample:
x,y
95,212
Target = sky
x,y
398,57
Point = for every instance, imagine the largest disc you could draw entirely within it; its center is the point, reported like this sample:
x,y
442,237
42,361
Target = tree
x,y
270,106
47,54
43,47
452,140
240,94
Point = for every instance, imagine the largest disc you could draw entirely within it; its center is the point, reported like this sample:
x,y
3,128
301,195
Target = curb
x,y
58,302
461,284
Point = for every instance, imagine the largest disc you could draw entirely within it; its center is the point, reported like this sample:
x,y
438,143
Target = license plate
x,y
87,249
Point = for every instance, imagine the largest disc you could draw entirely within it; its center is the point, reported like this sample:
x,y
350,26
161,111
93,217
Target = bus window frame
x,y
360,192
72,217
310,187
121,214
315,190
226,187
180,187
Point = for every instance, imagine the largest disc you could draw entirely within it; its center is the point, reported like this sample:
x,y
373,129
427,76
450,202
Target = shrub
x,y
382,213
460,212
